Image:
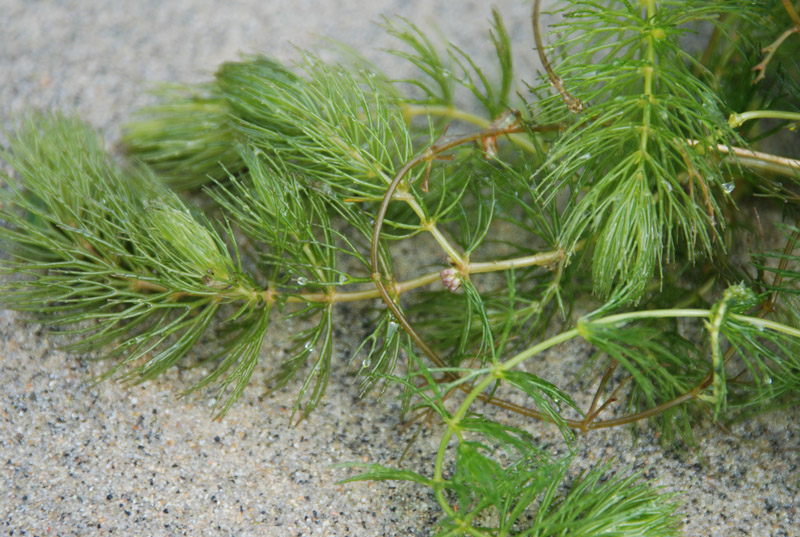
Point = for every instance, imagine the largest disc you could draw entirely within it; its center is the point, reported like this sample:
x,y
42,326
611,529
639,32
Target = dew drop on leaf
x,y
728,187
301,280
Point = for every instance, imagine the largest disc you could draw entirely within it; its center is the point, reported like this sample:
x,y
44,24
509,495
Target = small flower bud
x,y
450,279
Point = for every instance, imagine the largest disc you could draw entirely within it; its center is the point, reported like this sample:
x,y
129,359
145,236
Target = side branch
x,y
574,104
772,48
389,297
757,159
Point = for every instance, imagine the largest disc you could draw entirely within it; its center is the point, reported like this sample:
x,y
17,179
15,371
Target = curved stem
x,y
574,104
377,276
389,297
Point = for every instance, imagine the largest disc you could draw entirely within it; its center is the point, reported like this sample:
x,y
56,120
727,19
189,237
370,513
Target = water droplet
x,y
308,346
366,362
391,329
728,187
301,280
668,186
585,156
767,380
342,279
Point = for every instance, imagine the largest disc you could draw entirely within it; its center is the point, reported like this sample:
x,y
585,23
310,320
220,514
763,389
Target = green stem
x,y
431,227
611,319
737,119
472,396
452,428
270,295
767,324
449,249
649,70
540,259
411,110
652,314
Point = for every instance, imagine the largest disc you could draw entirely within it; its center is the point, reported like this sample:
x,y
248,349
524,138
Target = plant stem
x,y
787,5
747,157
767,324
271,295
737,119
648,69
411,110
757,159
540,259
770,52
377,276
452,428
573,104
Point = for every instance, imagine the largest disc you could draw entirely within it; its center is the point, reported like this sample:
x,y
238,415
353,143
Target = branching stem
x,y
377,276
520,140
389,294
772,48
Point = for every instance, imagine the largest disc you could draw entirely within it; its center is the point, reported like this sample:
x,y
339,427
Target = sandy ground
x,y
83,459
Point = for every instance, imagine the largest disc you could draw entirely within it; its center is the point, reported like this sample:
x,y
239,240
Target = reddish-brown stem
x,y
600,387
574,104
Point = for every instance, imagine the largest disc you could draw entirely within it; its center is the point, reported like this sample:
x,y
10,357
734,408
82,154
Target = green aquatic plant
x,y
613,186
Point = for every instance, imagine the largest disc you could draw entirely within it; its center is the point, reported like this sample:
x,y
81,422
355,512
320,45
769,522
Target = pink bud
x,y
450,279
